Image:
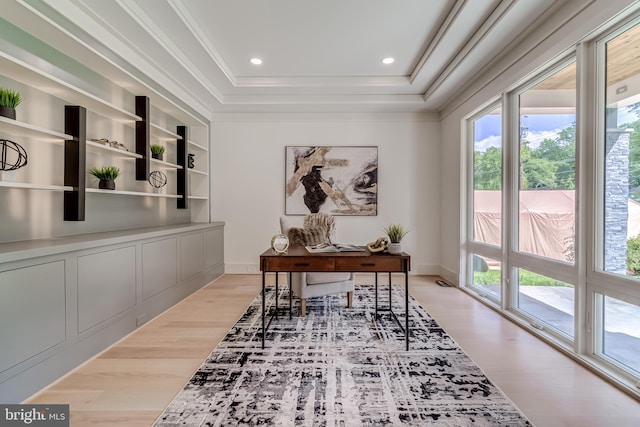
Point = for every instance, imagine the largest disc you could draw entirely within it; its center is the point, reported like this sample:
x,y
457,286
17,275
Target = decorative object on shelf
x,y
280,243
112,144
395,232
12,155
190,159
157,151
157,179
335,180
9,100
107,176
379,245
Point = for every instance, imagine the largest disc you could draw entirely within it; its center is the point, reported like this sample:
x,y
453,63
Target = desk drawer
x,y
381,264
300,264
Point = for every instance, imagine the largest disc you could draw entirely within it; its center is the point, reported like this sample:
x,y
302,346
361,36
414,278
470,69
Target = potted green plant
x,y
107,176
395,232
157,151
9,100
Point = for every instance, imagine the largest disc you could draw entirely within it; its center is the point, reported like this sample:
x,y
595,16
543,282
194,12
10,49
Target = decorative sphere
x,y
12,155
280,243
157,179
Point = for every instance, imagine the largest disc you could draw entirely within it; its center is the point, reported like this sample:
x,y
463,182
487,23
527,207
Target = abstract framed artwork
x,y
340,180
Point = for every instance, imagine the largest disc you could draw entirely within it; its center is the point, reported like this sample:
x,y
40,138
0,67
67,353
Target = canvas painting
x,y
335,180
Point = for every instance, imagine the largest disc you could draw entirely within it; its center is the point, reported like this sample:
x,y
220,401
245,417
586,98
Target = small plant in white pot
x,y
395,232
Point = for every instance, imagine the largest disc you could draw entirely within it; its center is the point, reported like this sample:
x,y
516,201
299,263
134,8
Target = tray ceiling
x,y
316,55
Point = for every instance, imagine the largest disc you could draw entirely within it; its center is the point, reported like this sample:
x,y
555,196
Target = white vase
x,y
394,248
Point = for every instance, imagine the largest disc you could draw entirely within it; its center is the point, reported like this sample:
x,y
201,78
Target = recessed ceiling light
x,y
256,61
388,60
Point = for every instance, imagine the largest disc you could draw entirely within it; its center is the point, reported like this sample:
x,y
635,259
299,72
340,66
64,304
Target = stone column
x,y
616,200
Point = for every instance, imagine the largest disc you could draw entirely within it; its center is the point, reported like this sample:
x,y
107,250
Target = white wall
x,y
555,38
248,179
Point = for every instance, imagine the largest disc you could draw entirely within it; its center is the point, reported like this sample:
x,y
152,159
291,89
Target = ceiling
x,y
318,55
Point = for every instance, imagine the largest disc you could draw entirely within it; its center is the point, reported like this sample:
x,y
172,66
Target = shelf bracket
x,y
183,174
75,165
143,136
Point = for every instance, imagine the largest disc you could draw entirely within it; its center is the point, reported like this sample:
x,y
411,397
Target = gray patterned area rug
x,y
338,366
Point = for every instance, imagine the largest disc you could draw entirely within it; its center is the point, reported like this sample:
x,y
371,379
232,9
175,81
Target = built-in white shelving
x,y
198,172
198,146
51,82
32,186
122,153
40,79
165,165
162,133
16,127
132,193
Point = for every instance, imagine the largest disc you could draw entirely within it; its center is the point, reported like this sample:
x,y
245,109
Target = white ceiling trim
x,y
325,100
321,81
508,69
141,60
200,36
497,15
167,44
450,18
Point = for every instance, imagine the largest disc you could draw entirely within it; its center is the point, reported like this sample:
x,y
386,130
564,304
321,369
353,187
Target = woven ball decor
x,y
12,155
157,179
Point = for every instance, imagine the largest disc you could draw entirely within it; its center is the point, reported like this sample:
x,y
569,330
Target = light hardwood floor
x,y
132,382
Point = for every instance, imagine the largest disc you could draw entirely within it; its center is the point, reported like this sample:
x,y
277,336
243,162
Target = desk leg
x,y
390,284
406,303
376,316
277,294
290,296
264,266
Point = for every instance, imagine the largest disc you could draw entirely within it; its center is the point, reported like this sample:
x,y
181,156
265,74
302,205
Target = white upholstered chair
x,y
316,284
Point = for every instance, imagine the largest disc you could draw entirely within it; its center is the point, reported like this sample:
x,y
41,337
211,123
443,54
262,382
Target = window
x,y
484,268
622,156
487,178
569,266
487,275
547,178
621,332
548,300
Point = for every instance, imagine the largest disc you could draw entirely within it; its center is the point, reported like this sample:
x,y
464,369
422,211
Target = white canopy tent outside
x,y
547,219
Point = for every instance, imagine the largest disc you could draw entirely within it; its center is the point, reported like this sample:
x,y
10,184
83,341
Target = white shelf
x,y
198,172
29,75
165,165
16,127
198,146
7,184
162,133
132,193
122,153
198,198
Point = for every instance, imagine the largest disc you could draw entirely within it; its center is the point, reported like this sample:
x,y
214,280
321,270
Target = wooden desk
x,y
299,259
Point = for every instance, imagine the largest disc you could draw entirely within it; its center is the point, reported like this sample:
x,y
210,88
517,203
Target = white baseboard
x,y
449,276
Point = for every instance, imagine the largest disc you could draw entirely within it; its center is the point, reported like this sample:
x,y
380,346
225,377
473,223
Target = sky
x,y
539,127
